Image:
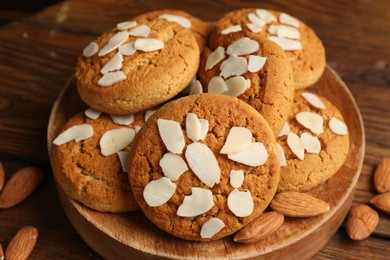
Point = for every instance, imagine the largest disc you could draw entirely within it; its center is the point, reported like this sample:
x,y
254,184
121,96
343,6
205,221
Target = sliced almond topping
x,y
158,192
296,146
311,143
234,28
287,44
183,21
284,31
124,159
254,27
91,49
236,86
122,119
137,128
256,63
76,132
113,141
203,163
253,18
127,49
288,19
215,57
204,128
312,121
149,44
217,85
234,66
173,166
285,130
172,135
126,25
92,113
238,139
313,100
193,128
199,202
266,15
247,83
115,63
111,78
211,227
142,31
115,41
337,126
240,203
236,178
254,155
149,113
243,46
196,88
282,157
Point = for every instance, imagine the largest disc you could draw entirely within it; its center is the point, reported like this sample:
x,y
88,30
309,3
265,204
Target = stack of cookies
x,y
199,125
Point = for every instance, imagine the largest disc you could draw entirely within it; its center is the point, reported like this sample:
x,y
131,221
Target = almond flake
x,y
124,159
148,114
196,88
217,85
215,57
199,202
243,46
111,78
211,227
236,178
183,21
285,130
193,128
92,113
172,135
254,155
141,31
137,128
311,143
158,192
238,139
233,28
337,126
127,49
247,83
126,25
313,100
76,132
173,166
284,31
149,44
122,119
286,44
91,49
282,157
253,18
115,41
204,128
295,145
288,19
113,141
203,163
115,63
255,63
236,86
312,121
240,203
254,27
234,66
266,15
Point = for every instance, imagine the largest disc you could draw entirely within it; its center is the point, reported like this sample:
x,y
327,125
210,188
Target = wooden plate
x,y
119,236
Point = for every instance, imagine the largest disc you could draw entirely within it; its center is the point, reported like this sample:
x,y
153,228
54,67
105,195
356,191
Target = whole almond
x,y
382,176
382,202
260,227
1,252
362,221
2,176
20,186
22,244
297,204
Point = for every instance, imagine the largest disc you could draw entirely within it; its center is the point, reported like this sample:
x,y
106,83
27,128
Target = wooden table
x,y
38,55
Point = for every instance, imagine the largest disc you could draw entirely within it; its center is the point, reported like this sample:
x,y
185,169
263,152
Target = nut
x,y
382,176
22,244
382,202
361,222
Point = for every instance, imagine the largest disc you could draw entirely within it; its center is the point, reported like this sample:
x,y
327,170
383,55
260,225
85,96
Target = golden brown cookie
x,y
303,47
203,166
315,143
137,66
84,173
270,87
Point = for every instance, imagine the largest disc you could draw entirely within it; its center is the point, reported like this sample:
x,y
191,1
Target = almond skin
x,y
20,186
297,204
382,176
382,202
2,176
260,227
362,221
22,244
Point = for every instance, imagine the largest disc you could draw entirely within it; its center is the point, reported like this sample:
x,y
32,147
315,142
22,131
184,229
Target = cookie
x,y
84,173
314,143
203,166
200,29
238,58
137,66
303,47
